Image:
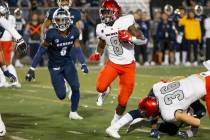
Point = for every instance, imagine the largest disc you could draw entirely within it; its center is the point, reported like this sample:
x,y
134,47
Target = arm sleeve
x,y
37,58
48,37
78,51
99,32
128,21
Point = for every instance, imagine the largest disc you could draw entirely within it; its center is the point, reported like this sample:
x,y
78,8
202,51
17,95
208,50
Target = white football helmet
x,y
61,19
4,9
65,4
2,128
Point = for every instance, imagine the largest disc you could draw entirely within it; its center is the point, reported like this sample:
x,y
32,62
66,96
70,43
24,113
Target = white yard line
x,y
75,132
41,86
17,138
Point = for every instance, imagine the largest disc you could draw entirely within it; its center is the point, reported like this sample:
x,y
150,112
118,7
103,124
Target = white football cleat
x,y
102,96
2,128
112,132
75,116
4,84
114,120
15,85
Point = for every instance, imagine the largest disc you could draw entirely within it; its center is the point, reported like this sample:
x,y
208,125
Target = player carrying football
x,y
119,35
171,101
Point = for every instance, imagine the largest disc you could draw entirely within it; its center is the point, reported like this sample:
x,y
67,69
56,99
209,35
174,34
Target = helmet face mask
x,y
65,4
106,15
109,11
61,19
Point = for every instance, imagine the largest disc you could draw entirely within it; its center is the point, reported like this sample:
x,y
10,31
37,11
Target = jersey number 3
x,y
172,92
117,46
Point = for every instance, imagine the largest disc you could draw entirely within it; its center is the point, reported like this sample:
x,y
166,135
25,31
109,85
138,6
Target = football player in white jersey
x,y
171,100
6,43
21,50
118,34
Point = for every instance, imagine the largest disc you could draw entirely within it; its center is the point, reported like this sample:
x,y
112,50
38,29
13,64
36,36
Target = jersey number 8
x,y
117,46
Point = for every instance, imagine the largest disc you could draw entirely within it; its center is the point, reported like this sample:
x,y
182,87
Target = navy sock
x,y
75,100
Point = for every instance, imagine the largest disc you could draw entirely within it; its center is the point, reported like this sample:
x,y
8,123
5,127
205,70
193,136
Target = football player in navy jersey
x,y
75,18
58,42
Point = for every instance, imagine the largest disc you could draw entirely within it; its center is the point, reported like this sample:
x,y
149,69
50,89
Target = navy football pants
x,y
69,73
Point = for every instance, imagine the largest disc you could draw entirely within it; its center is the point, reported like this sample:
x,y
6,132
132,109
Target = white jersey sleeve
x,y
100,31
10,28
126,21
7,36
178,95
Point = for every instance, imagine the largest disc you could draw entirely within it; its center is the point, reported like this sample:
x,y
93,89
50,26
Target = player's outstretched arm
x,y
80,56
184,117
37,58
99,51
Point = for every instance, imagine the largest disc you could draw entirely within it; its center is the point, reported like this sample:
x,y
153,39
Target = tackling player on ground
x,y
171,101
118,34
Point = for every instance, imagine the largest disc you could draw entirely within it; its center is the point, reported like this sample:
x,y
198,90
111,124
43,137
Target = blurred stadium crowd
x,y
178,31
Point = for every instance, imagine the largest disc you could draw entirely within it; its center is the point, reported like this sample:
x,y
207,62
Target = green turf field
x,y
33,112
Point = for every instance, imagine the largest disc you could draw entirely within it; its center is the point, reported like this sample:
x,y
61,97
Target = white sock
x,y
12,70
115,118
166,58
122,121
184,57
177,57
2,77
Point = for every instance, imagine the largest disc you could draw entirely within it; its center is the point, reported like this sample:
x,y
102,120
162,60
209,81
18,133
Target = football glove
x,y
30,75
84,68
94,57
155,133
21,47
11,77
183,134
124,36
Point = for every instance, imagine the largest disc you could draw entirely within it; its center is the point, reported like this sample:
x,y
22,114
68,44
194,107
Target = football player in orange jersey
x,y
118,34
